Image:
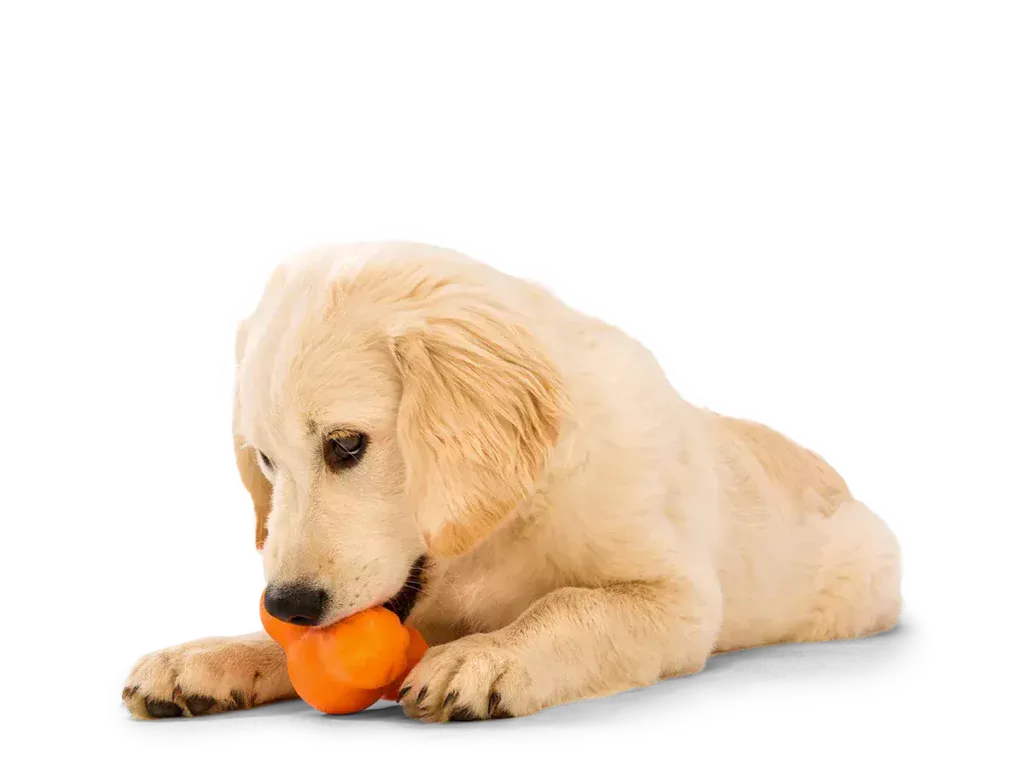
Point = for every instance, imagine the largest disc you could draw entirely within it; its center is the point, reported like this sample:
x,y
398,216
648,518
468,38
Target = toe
x,y
463,715
160,708
199,705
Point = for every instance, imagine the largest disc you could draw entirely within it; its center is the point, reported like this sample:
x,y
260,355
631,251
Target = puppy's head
x,y
386,409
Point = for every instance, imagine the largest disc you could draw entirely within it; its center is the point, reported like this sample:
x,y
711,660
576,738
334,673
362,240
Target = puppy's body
x,y
589,530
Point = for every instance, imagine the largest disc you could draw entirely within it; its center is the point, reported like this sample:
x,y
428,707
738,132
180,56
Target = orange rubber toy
x,y
349,665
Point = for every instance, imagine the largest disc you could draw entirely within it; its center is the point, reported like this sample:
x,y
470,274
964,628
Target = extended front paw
x,y
205,677
473,678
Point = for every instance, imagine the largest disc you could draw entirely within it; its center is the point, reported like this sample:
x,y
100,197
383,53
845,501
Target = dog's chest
x,y
490,588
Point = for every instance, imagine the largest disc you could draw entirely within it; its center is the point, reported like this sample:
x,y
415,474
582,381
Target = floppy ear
x,y
480,409
245,458
257,485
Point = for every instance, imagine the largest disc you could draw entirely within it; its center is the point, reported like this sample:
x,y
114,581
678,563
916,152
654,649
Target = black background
x,y
845,339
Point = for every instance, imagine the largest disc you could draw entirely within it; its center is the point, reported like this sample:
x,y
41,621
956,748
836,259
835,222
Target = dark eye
x,y
266,461
344,449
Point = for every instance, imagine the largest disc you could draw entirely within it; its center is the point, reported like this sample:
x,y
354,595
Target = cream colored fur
x,y
589,530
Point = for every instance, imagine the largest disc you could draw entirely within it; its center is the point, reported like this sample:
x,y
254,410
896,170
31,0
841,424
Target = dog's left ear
x,y
481,408
257,485
253,479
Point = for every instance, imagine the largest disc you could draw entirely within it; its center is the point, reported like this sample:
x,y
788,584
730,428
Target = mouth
x,y
405,599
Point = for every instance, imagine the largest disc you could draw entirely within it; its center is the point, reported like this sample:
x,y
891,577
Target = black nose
x,y
296,603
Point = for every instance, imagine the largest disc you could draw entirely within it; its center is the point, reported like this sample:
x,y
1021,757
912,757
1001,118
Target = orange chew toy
x,y
349,665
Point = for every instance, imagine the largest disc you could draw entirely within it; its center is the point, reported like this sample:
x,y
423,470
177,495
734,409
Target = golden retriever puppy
x,y
522,484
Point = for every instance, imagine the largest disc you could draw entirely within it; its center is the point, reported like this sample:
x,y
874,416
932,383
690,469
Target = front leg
x,y
571,644
215,674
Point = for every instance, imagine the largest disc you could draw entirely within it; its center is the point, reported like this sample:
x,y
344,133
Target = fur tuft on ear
x,y
480,409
